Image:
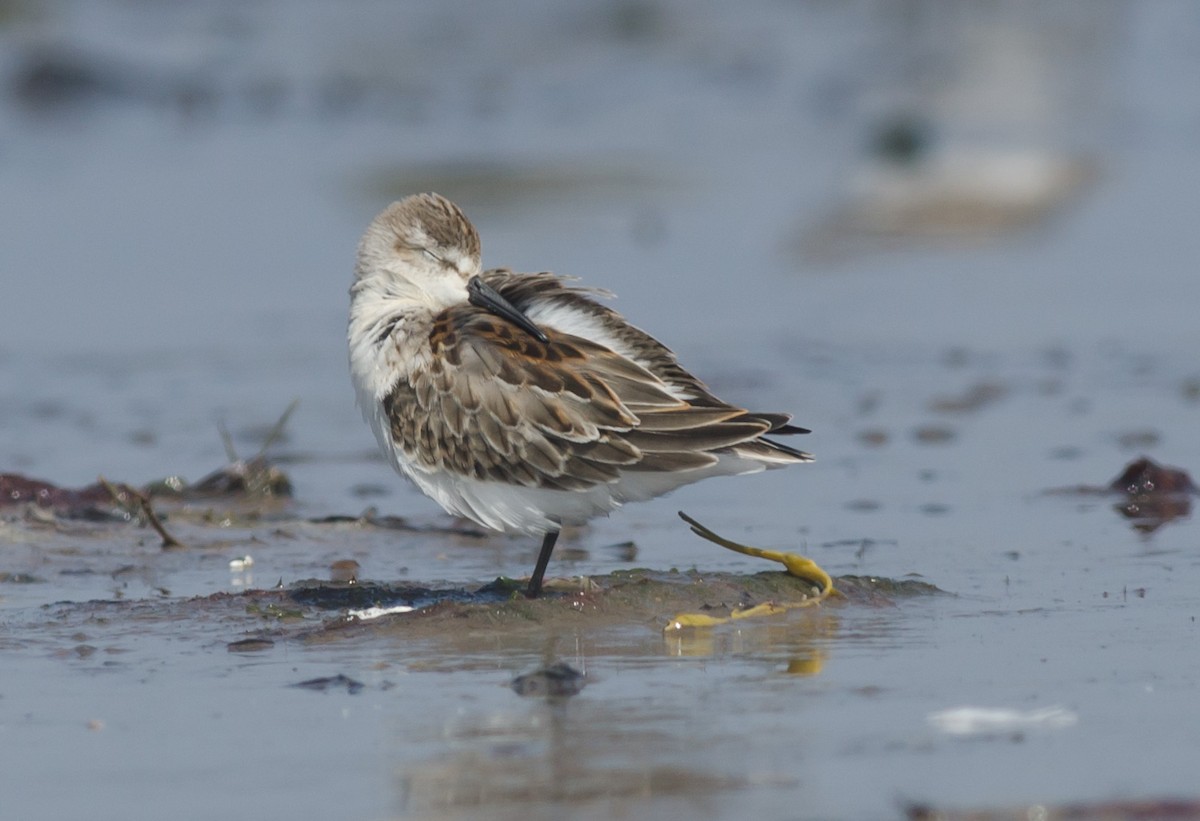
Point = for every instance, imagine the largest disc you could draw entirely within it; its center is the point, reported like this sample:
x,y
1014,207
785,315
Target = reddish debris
x,y
1146,477
249,478
16,489
1154,494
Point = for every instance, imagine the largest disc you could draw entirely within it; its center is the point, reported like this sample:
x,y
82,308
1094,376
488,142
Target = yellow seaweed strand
x,y
795,564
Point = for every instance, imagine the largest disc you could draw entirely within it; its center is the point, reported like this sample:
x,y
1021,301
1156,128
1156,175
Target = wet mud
x,y
322,611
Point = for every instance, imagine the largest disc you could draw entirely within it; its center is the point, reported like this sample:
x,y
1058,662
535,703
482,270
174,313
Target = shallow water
x,y
176,245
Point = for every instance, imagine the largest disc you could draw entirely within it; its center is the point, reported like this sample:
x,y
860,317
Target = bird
x,y
521,401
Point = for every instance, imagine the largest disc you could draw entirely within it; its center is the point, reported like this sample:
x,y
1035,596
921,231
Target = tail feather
x,y
770,452
795,453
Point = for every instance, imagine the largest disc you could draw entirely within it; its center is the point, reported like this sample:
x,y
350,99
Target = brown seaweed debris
x,y
1154,494
102,501
1145,477
253,478
127,496
241,477
91,502
1151,494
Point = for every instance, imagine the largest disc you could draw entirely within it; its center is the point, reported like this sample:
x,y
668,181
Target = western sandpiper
x,y
518,400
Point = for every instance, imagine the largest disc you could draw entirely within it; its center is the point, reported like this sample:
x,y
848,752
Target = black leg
x,y
535,581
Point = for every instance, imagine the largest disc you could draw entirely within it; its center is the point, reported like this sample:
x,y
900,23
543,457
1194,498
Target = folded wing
x,y
493,403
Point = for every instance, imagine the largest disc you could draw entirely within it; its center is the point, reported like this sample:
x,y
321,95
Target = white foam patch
x,y
368,613
966,721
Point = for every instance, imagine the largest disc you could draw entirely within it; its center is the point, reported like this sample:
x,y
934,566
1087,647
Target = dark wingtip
x,y
778,422
787,430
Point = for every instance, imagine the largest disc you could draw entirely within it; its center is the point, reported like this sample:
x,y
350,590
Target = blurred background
x,y
820,205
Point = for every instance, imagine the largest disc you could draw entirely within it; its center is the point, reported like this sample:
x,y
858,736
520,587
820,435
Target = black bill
x,y
482,295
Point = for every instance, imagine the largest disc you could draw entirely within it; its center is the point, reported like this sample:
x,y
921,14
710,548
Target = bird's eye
x,y
431,255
